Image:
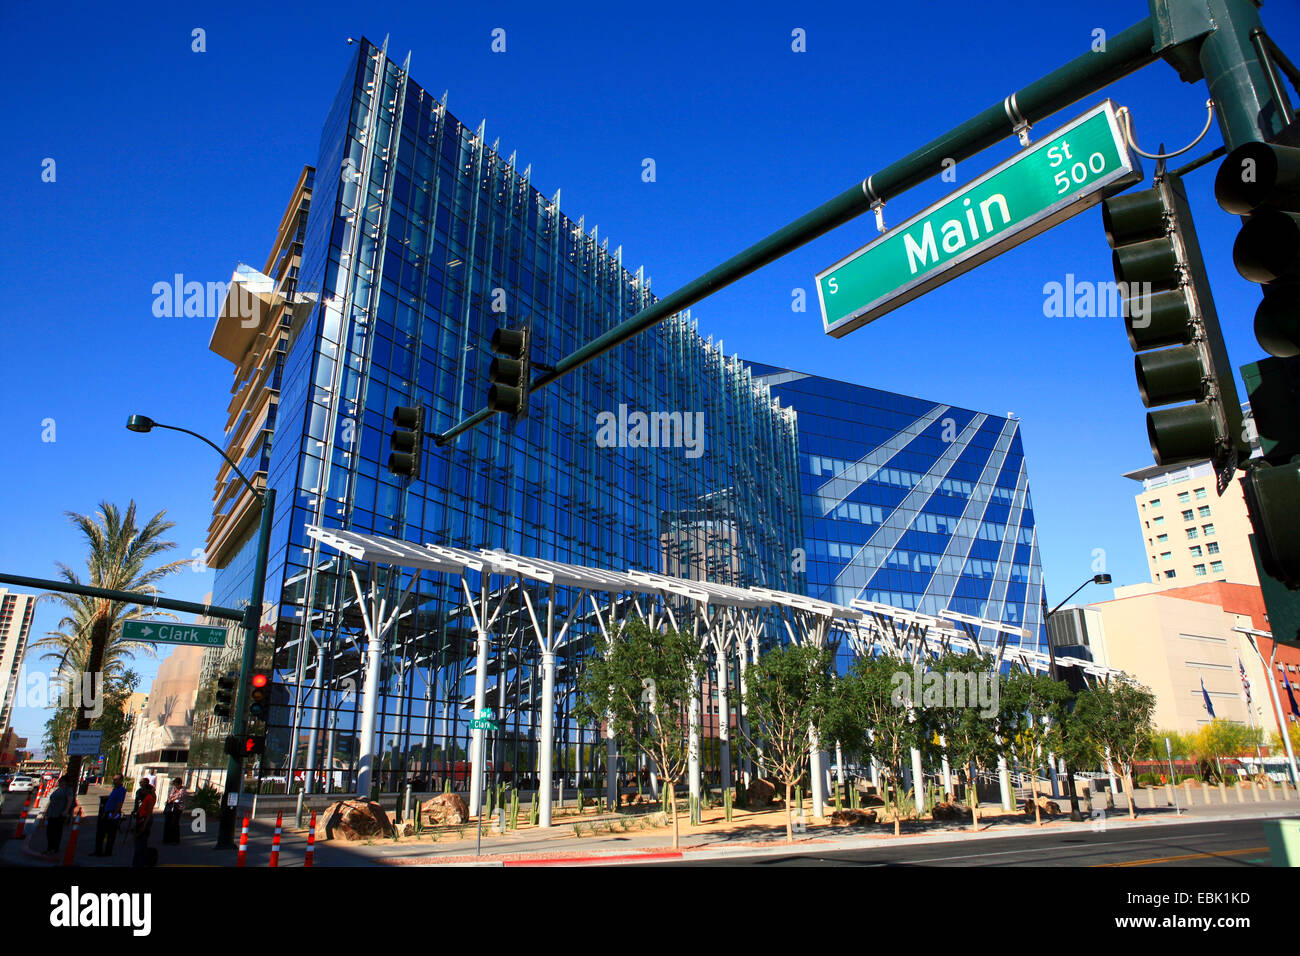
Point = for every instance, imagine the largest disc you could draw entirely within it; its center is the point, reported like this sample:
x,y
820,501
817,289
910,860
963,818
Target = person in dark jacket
x,y
173,811
142,822
109,820
63,801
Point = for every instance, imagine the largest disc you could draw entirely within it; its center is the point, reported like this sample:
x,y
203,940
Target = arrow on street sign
x,y
1061,175
165,632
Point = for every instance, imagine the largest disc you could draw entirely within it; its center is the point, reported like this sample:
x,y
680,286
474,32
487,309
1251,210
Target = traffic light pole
x,y
1123,54
252,623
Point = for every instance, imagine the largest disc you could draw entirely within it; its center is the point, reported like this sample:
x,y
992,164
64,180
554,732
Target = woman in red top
x,y
142,820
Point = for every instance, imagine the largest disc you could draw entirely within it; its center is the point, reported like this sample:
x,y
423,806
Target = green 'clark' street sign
x,y
1069,171
167,632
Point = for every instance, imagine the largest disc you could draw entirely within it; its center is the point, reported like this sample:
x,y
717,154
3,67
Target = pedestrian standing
x,y
172,812
63,801
142,822
109,819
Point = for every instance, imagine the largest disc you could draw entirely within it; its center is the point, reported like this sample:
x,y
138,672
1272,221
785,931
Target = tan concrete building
x,y
1189,533
1172,639
160,735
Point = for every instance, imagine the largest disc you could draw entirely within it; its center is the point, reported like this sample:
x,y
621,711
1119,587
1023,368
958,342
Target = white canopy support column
x,y
701,596
611,744
483,624
808,621
380,552
553,575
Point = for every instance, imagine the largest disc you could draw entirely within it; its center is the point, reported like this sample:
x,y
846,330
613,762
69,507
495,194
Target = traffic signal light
x,y
1261,181
406,444
1172,325
259,695
1272,493
247,745
225,698
510,372
1272,485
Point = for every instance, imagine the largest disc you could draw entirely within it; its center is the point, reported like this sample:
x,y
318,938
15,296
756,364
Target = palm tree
x,y
90,639
69,650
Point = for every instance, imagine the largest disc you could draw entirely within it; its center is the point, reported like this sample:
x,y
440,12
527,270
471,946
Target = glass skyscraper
x,y
420,241
406,244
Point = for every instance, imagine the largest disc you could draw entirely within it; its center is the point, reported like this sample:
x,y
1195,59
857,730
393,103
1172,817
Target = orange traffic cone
x,y
275,840
243,845
311,840
69,855
22,819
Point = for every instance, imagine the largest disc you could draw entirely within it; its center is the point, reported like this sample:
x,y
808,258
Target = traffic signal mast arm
x,y
1123,54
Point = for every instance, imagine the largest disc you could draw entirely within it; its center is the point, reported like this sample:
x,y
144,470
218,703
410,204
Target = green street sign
x,y
479,723
167,632
1069,171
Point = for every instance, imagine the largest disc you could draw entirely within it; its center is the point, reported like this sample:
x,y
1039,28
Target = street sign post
x,y
167,632
484,719
84,743
1063,174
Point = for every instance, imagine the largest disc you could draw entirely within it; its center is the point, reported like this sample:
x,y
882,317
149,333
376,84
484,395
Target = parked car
x,y
21,784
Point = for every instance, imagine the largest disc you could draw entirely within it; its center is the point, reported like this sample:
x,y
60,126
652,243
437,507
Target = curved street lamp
x,y
252,621
1051,658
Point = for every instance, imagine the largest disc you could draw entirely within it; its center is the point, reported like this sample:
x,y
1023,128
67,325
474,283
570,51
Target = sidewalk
x,y
749,834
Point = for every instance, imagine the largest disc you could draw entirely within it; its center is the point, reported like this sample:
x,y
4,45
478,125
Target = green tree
x,y
112,722
1181,744
871,713
1117,716
90,641
973,734
1222,738
641,685
1038,705
788,695
1278,747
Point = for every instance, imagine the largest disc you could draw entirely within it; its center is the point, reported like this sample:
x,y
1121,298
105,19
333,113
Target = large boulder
x,y
355,820
948,811
762,793
1045,806
446,809
853,818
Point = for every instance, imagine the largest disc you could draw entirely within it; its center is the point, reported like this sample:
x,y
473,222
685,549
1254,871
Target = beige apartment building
x,y
1191,534
15,622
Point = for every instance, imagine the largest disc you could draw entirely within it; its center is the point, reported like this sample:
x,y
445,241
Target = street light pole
x,y
252,622
1075,815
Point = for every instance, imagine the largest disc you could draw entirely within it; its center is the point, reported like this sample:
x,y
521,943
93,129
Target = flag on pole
x,y
1245,682
1205,696
1287,684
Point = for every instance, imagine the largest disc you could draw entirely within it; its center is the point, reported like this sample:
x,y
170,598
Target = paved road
x,y
1233,843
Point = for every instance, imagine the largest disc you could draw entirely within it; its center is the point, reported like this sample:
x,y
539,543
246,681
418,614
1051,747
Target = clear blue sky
x,y
170,161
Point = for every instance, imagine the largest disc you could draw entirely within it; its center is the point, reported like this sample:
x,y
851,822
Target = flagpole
x,y
1283,730
1250,712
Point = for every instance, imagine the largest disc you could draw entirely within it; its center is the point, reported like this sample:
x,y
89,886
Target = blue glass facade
x,y
420,241
913,503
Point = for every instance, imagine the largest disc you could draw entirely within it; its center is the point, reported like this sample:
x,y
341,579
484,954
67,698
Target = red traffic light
x,y
260,680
